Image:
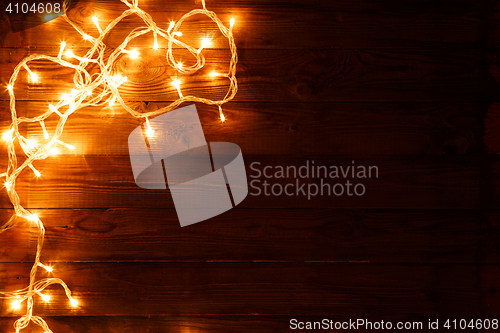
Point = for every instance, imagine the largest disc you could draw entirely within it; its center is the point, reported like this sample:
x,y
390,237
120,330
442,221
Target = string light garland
x,y
107,81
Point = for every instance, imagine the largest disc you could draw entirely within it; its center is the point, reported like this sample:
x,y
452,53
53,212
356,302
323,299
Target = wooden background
x,y
410,86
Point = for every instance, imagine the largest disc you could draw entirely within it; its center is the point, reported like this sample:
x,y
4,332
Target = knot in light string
x,y
82,95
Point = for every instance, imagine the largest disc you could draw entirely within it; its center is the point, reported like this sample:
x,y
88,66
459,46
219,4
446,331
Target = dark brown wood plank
x,y
309,235
318,128
307,76
206,324
177,324
321,289
403,182
329,81
491,125
291,24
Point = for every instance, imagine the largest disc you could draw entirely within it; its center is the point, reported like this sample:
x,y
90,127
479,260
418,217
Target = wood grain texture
x,y
157,288
261,235
195,324
428,182
178,324
310,76
409,86
293,24
378,129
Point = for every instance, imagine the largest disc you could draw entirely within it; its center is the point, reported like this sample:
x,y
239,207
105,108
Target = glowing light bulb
x,y
177,85
33,218
70,147
96,22
180,65
170,27
214,74
45,134
37,173
48,269
34,77
120,80
16,305
155,45
74,302
69,54
46,298
149,131
8,135
31,143
61,50
10,87
133,54
54,151
231,22
178,33
222,117
206,43
7,185
86,37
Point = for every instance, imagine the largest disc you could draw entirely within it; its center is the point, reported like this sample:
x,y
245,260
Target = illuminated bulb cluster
x,y
82,96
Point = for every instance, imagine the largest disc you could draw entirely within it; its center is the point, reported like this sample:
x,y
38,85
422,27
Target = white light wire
x,y
80,97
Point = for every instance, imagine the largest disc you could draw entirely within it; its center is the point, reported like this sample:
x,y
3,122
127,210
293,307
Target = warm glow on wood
x,y
91,89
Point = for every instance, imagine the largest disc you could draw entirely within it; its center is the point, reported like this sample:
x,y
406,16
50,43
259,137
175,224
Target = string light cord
x,y
97,89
